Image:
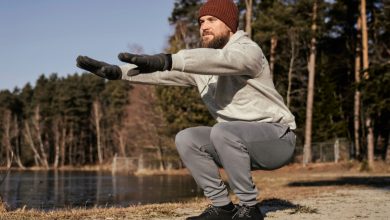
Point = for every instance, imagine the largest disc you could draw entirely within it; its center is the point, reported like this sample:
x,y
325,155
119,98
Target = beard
x,y
218,42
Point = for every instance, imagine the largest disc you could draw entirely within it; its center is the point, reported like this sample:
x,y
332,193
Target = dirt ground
x,y
323,192
319,191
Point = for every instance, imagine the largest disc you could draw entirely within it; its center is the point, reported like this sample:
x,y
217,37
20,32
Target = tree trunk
x,y
387,143
364,38
356,118
82,150
274,43
307,157
6,137
248,17
36,122
370,134
57,135
91,160
16,134
370,143
70,147
97,116
160,155
292,37
120,140
63,144
9,132
28,136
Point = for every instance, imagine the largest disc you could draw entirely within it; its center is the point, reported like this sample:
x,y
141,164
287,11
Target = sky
x,y
46,36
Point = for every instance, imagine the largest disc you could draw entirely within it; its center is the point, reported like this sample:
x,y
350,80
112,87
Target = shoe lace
x,y
210,210
243,211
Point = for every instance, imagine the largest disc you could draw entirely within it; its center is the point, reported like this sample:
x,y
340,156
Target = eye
x,y
212,19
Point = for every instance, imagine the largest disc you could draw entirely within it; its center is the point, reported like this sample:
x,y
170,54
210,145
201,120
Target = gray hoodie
x,y
234,82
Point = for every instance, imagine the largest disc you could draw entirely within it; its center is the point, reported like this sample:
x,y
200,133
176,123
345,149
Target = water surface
x,y
69,189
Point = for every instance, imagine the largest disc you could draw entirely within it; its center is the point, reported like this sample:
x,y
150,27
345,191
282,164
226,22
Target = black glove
x,y
147,63
102,69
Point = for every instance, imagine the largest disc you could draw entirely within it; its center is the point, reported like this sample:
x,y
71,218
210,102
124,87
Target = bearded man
x,y
254,128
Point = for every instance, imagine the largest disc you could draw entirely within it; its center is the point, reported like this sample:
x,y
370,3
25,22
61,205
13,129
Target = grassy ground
x,y
293,192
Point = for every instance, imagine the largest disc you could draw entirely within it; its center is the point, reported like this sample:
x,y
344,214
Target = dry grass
x,y
3,206
152,211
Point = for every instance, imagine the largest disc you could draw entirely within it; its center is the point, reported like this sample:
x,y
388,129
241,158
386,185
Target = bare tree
x,y
36,123
10,133
16,130
184,37
28,136
307,157
147,120
294,53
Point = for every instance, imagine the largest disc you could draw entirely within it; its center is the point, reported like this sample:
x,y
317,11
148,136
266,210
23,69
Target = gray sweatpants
x,y
238,147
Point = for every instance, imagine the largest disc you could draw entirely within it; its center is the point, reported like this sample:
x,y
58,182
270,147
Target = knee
x,y
181,137
221,133
184,139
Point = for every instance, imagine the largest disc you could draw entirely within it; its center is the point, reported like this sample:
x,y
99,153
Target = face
x,y
213,32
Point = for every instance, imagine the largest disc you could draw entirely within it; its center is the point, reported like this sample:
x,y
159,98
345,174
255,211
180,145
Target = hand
x,y
102,69
148,63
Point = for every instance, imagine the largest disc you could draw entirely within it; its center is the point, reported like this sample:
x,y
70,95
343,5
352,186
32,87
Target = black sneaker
x,y
248,213
214,213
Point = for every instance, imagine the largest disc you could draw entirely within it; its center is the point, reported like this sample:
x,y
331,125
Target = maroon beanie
x,y
224,10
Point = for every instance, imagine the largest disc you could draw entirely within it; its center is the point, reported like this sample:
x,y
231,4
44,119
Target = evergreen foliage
x,y
59,104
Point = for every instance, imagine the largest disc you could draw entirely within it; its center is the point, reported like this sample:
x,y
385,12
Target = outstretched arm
x,y
238,59
131,72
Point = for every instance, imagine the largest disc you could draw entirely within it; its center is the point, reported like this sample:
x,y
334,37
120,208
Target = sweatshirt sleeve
x,y
168,78
239,58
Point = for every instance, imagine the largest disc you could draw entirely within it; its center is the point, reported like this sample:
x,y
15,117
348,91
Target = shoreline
x,y
144,172
379,166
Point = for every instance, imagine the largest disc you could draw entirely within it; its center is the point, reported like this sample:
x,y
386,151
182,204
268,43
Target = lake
x,y
69,189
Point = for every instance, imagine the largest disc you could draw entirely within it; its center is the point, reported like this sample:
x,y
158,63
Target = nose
x,y
204,26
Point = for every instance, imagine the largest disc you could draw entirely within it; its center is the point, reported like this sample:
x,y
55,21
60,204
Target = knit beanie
x,y
224,10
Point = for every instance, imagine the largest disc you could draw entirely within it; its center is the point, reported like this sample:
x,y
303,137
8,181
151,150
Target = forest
x,y
330,60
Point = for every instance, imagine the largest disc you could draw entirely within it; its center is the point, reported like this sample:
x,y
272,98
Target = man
x,y
254,129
